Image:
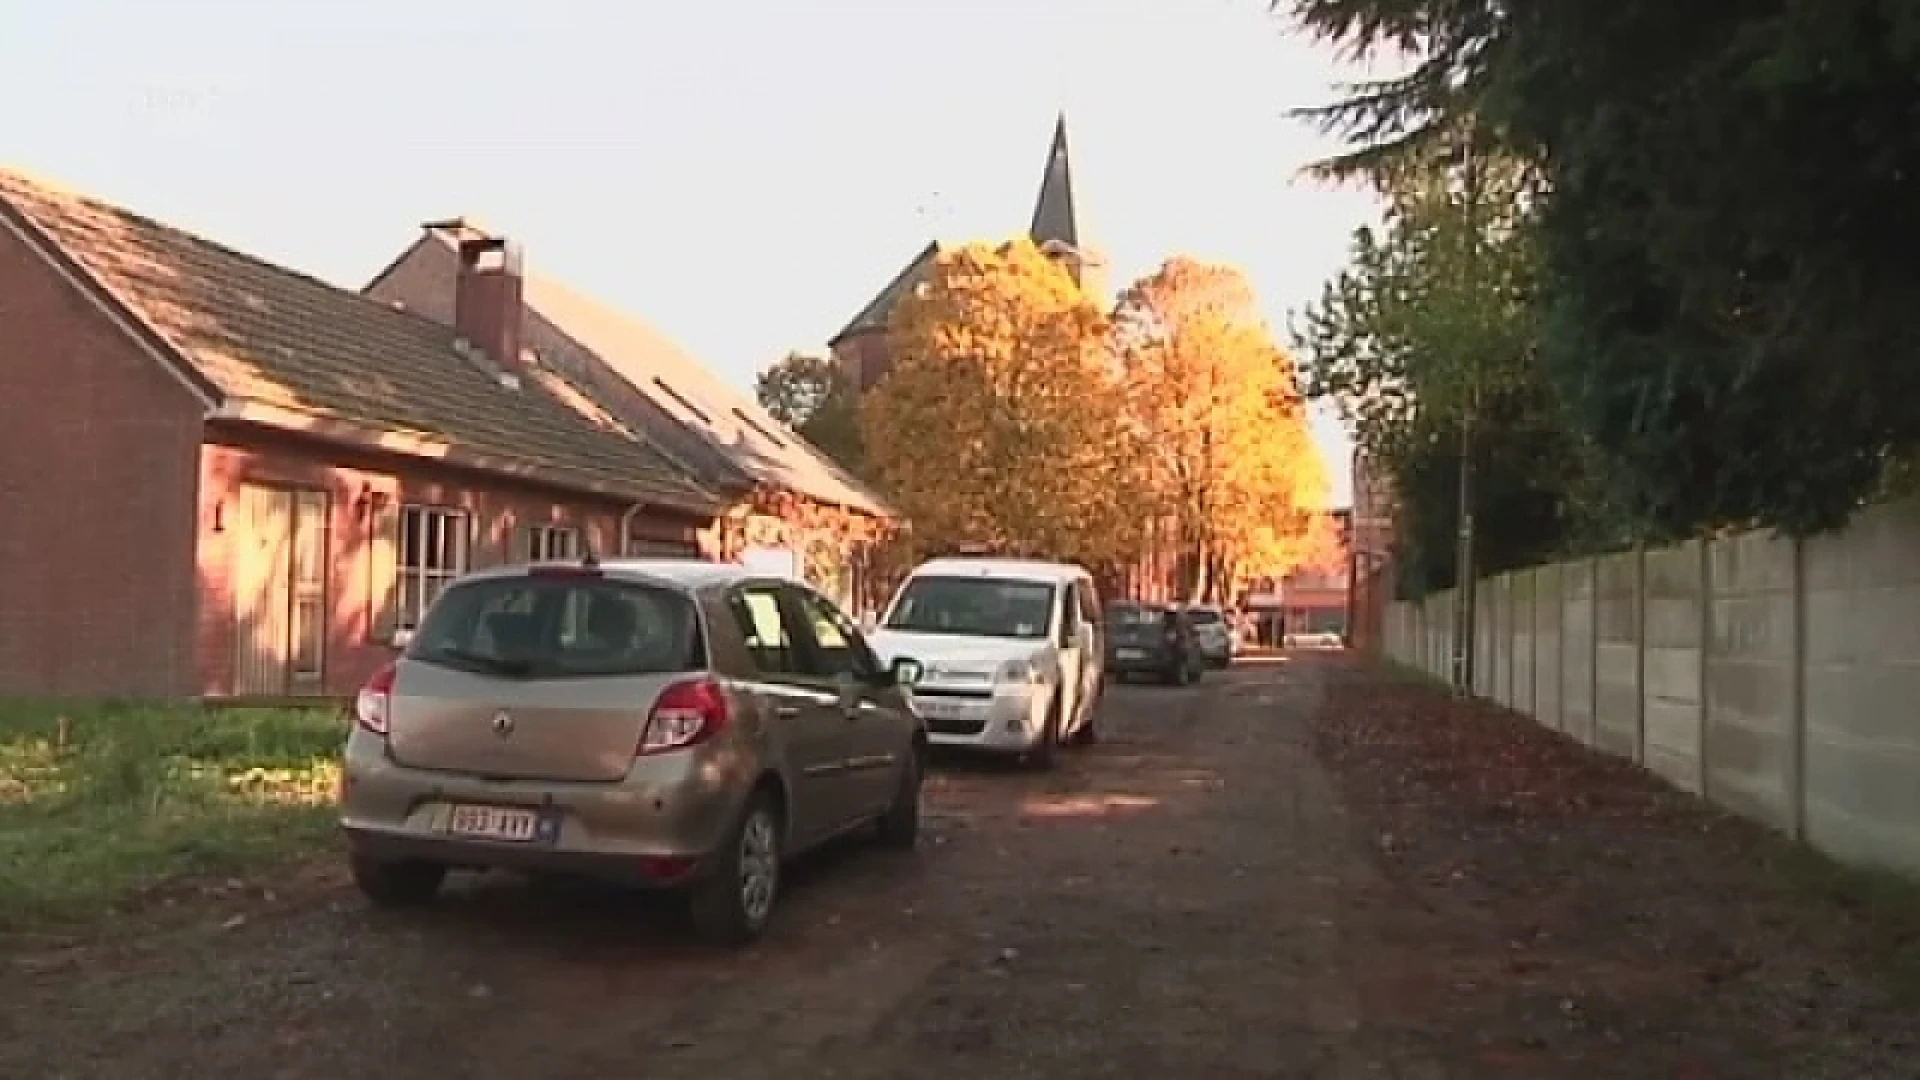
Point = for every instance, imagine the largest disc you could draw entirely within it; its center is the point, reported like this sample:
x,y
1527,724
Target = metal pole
x,y
1464,583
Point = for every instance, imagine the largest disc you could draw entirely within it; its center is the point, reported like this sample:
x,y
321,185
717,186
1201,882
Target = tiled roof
x,y
717,429
298,347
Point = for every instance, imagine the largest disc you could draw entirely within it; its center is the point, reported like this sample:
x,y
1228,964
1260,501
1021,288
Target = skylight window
x,y
764,433
684,403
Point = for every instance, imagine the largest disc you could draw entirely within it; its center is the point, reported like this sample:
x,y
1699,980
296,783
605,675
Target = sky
x,y
744,174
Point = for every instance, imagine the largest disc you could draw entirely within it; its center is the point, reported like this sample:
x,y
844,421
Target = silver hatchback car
x,y
666,723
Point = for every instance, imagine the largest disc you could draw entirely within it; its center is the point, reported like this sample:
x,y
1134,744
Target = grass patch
x,y
99,803
1886,903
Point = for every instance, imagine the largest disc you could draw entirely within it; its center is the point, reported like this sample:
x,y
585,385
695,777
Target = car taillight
x,y
686,713
375,700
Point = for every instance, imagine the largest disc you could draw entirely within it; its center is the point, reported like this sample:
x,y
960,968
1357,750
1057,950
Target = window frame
x,y
416,587
540,538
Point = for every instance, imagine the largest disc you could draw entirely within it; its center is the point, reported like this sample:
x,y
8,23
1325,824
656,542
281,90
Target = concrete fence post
x,y
1640,653
1797,729
1706,665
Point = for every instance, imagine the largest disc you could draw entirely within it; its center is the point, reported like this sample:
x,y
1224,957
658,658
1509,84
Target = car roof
x,y
1001,569
689,574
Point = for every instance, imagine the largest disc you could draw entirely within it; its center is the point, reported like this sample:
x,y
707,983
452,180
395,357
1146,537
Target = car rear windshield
x,y
1135,615
560,627
973,607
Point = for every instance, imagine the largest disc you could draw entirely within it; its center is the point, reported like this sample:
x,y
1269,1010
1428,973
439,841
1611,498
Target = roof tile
x,y
262,333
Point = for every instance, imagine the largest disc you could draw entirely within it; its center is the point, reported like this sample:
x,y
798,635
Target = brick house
x,y
227,479
1317,596
788,506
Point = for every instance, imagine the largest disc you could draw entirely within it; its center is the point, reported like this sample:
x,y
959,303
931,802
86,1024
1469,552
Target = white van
x,y
1011,653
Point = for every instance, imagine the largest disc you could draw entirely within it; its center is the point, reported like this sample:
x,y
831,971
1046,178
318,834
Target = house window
x,y
308,585
434,545
552,543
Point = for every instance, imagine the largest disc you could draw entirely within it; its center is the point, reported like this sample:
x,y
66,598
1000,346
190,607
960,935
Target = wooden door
x,y
279,582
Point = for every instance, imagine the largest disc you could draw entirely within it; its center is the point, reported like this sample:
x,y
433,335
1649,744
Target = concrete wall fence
x,y
1778,678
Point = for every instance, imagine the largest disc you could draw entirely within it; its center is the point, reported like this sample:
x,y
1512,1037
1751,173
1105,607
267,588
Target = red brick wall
x,y
352,652
865,356
97,474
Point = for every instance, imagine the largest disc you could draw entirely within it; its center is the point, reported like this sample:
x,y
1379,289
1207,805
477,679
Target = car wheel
x,y
1089,732
398,884
732,904
1041,756
899,827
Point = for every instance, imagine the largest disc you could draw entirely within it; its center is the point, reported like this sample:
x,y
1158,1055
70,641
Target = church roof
x,y
1054,218
1055,222
874,315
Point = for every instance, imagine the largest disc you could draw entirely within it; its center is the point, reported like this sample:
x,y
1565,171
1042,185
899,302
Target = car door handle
x,y
786,712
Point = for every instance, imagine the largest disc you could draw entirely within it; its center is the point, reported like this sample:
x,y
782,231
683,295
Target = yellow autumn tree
x,y
1230,460
1000,421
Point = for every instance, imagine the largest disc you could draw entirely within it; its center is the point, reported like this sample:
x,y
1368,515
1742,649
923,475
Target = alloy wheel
x,y
759,867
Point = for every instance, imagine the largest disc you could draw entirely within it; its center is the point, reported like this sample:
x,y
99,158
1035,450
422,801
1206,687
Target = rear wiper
x,y
486,662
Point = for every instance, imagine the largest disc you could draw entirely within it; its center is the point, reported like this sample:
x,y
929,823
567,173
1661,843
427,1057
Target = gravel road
x,y
1191,895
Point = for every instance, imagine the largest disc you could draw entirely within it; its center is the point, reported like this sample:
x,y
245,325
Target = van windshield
x,y
974,607
564,627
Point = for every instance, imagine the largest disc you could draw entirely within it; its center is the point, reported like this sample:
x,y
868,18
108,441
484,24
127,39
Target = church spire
x,y
1054,216
1056,220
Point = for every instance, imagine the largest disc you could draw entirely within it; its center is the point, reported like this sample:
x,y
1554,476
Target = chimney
x,y
488,310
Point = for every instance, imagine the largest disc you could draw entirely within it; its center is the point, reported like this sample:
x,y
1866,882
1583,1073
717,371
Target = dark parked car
x,y
1153,639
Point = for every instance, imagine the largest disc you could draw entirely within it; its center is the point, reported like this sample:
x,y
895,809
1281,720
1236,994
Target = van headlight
x,y
1019,674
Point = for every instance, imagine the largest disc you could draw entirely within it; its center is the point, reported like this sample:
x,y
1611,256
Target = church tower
x,y
1056,227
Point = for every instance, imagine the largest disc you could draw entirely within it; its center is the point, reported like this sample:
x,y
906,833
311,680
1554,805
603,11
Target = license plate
x,y
939,710
494,823
1130,654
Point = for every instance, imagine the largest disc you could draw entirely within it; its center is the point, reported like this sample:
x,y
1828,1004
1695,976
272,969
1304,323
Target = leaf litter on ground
x,y
1592,908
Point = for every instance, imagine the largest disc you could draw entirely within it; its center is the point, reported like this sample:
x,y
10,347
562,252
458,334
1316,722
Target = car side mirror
x,y
905,671
401,639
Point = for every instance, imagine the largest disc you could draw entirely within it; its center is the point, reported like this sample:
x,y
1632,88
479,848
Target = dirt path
x,y
1169,899
1191,896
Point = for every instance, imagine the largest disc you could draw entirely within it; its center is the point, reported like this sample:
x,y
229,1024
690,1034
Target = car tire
x,y
733,903
1089,732
394,884
899,827
1041,757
